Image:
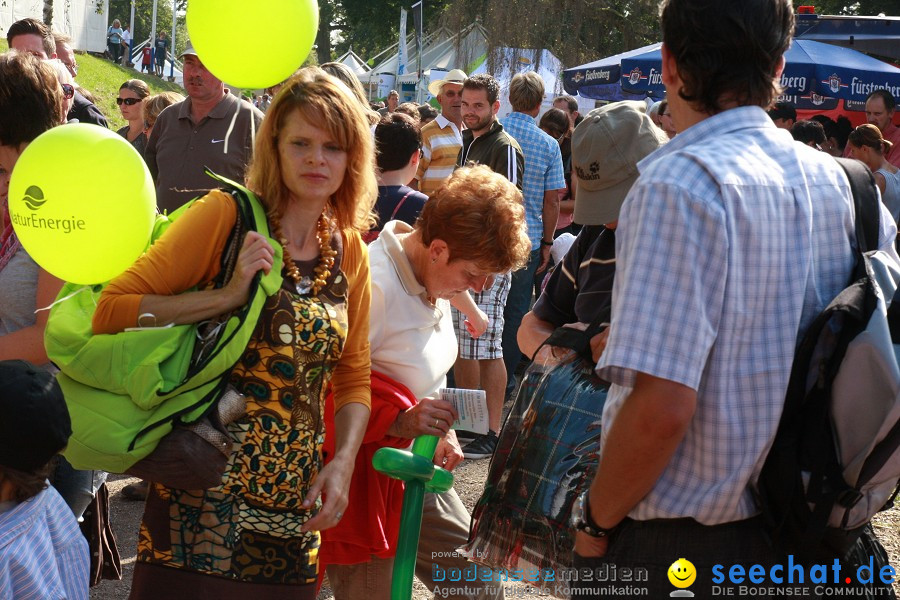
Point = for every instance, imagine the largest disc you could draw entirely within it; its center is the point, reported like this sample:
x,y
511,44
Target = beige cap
x,y
606,147
454,76
188,50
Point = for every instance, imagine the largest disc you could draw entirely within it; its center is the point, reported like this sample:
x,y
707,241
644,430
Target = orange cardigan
x,y
188,255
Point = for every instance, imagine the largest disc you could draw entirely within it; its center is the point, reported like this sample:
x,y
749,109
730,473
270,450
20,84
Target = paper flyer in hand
x,y
471,406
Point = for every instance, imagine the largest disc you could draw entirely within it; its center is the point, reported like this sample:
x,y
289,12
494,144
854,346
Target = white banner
x,y
402,52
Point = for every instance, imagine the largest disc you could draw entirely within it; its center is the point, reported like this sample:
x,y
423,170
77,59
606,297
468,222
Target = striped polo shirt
x,y
441,141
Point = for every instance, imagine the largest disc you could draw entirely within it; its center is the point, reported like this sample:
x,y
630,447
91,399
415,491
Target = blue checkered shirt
x,y
43,553
731,241
543,169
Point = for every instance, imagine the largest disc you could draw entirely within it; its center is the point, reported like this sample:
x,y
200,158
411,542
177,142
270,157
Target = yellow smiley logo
x,y
682,573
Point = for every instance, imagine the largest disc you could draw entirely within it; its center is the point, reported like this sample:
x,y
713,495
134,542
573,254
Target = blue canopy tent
x,y
813,73
600,79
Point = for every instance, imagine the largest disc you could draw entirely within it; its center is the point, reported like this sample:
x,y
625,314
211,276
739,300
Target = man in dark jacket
x,y
480,363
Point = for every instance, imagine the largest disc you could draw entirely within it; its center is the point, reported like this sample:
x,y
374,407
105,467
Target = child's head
x,y
34,427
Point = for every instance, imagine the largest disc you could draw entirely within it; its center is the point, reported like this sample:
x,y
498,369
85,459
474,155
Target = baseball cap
x,y
454,76
34,419
606,148
188,50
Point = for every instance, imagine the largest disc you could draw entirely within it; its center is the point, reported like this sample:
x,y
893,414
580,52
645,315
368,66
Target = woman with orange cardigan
x,y
256,535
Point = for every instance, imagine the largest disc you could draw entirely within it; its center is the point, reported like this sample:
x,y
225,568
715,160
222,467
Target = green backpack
x,y
127,390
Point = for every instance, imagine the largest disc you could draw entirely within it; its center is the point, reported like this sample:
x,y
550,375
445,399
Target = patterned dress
x,y
248,528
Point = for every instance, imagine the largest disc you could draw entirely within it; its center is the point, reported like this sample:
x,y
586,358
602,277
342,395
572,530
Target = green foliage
x,y
368,26
862,7
574,30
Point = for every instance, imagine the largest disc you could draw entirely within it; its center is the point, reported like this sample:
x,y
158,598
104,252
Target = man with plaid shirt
x,y
730,242
541,183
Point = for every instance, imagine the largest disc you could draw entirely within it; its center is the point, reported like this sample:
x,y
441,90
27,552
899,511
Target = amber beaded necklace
x,y
313,285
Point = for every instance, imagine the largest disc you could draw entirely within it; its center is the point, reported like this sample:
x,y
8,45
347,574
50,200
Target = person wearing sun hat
x,y
441,138
43,553
606,147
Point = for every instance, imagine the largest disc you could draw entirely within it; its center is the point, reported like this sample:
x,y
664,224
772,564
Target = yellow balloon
x,y
252,44
82,203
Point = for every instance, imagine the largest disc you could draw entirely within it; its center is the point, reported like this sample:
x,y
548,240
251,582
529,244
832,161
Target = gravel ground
x,y
470,478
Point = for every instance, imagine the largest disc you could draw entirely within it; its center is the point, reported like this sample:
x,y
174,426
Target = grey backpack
x,y
835,460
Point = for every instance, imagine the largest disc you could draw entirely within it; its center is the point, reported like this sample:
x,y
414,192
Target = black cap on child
x,y
34,420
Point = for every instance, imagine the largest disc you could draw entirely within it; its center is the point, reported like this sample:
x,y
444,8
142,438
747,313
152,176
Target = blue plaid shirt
x,y
733,238
42,551
543,169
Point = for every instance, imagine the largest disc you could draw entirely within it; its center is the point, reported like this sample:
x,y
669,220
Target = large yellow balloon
x,y
252,44
82,203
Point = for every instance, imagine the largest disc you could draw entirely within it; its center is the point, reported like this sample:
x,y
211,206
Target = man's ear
x,y
414,159
780,68
496,108
669,70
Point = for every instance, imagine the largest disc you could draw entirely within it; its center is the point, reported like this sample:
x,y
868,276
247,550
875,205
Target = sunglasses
x,y
127,101
68,90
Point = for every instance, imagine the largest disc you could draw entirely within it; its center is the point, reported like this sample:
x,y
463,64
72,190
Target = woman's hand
x,y
429,417
333,481
448,453
476,323
256,254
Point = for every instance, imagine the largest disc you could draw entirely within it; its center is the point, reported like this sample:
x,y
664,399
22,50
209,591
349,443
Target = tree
x,y
576,31
367,26
869,8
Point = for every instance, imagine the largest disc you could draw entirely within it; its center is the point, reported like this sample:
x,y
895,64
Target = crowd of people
x,y
412,244
119,48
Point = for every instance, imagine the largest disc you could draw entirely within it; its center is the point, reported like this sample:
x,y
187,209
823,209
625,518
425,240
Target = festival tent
x,y
813,71
467,50
600,79
506,62
381,78
354,62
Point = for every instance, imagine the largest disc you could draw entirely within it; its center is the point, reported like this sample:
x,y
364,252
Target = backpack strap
x,y
865,201
400,204
238,328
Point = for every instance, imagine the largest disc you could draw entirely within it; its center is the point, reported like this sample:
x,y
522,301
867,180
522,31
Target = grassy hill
x,y
103,78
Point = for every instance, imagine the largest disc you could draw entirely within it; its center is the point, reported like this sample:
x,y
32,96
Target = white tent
x,y
467,50
79,19
354,62
509,61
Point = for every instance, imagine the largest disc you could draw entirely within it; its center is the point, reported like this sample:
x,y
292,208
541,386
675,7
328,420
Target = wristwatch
x,y
546,243
581,518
